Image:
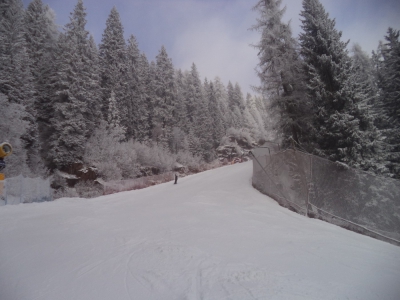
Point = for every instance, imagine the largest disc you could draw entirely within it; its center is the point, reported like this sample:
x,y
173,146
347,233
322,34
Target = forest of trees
x,y
341,106
67,102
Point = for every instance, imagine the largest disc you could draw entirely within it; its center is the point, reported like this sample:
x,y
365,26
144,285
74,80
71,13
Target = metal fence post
x,y
20,189
5,190
309,186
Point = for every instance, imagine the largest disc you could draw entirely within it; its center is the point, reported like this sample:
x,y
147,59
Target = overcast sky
x,y
214,33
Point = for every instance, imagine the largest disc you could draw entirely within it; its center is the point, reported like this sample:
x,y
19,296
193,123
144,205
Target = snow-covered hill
x,y
211,236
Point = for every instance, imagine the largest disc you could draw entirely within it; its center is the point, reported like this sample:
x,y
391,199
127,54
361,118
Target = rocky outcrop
x,y
235,150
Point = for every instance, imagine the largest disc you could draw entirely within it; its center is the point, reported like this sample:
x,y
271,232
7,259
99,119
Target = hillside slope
x,y
211,236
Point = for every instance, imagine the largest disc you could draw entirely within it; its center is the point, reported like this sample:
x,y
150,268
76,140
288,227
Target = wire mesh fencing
x,y
22,189
331,191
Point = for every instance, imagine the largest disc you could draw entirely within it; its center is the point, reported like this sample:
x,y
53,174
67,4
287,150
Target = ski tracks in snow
x,y
164,270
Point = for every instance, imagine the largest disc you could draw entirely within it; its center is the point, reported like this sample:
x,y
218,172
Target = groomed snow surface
x,y
211,236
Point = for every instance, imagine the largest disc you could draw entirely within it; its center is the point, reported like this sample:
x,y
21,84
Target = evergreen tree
x,y
280,72
12,128
138,112
231,96
194,96
231,120
238,97
240,104
16,81
180,112
113,65
154,127
255,118
203,126
74,99
91,73
165,95
222,99
146,92
364,76
217,127
388,107
113,118
342,127
41,36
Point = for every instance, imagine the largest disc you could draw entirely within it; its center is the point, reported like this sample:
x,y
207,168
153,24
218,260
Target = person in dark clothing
x,y
176,178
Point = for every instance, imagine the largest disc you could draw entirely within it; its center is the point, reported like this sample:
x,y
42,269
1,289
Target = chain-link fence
x,y
21,189
330,191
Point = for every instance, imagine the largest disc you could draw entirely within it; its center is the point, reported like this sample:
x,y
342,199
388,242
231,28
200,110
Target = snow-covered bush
x,y
188,160
154,156
112,158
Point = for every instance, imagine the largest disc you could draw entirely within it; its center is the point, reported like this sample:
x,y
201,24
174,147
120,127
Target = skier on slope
x,y
176,178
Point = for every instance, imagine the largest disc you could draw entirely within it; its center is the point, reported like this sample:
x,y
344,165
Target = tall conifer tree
x,y
16,80
280,72
217,127
74,102
113,65
41,36
388,107
165,95
137,113
343,131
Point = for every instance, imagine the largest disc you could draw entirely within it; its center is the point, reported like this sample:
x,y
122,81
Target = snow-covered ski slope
x,y
211,236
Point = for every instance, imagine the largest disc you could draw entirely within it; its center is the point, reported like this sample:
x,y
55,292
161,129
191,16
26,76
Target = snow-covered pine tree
x,y
113,118
147,94
238,97
239,103
194,143
12,128
257,127
137,116
231,120
235,106
387,62
342,127
91,67
222,99
41,36
217,126
74,97
165,95
203,125
364,76
248,120
180,112
280,72
194,95
16,81
113,65
151,100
